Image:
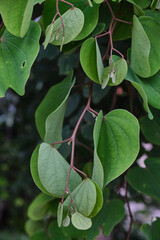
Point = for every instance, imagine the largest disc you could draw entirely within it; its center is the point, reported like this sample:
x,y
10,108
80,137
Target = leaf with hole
x,y
16,58
146,180
53,170
50,113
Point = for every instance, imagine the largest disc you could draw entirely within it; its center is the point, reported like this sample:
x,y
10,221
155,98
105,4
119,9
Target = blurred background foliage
x,y
19,137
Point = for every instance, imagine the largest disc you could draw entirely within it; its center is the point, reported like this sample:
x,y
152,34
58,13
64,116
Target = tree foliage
x,y
116,46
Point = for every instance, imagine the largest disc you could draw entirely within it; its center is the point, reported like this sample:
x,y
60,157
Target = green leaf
x,y
146,34
91,60
98,172
39,236
16,58
32,227
66,221
115,213
84,196
73,21
152,29
99,201
143,4
98,1
73,233
144,89
122,30
34,170
151,128
48,34
154,4
50,113
50,8
38,208
59,214
112,213
118,68
152,232
146,180
81,222
140,49
153,14
17,15
89,26
56,232
53,170
38,1
146,229
118,143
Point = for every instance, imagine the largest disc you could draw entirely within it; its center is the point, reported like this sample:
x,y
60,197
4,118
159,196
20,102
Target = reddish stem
x,y
66,140
92,111
1,25
101,35
73,138
76,169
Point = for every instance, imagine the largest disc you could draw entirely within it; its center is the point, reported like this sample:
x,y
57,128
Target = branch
x,y
129,210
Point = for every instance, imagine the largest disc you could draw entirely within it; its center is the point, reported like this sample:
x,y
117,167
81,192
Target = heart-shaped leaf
x,y
84,197
146,180
16,58
53,170
118,143
50,113
17,15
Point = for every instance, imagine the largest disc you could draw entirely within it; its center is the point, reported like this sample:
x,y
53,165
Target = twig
x,y
72,139
129,210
